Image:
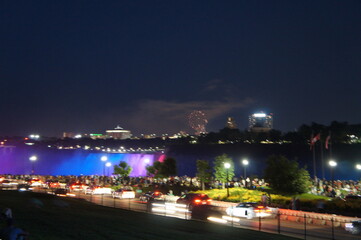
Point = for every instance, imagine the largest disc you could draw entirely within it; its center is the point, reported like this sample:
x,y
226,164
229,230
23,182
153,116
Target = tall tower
x,y
260,122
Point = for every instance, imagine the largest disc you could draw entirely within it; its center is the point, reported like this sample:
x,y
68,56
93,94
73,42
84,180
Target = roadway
x,y
294,229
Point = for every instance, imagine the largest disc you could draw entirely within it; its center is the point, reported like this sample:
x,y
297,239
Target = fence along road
x,y
286,222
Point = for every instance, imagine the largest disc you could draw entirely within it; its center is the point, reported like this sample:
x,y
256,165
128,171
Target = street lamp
x,y
33,159
108,164
104,159
227,166
332,164
358,166
245,163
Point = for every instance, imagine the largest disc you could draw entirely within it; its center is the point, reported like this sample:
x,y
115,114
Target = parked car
x,y
35,182
194,199
151,197
124,193
60,192
24,187
78,187
56,185
249,210
354,227
203,212
8,183
98,190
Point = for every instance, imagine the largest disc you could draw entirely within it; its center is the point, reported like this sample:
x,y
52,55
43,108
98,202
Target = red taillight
x,y
197,201
209,200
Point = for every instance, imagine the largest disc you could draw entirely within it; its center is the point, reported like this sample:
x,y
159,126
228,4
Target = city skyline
x,y
87,66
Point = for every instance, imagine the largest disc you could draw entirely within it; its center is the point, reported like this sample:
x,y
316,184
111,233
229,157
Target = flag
x,y
314,139
327,140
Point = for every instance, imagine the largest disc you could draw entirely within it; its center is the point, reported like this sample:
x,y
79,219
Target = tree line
x,y
339,132
282,175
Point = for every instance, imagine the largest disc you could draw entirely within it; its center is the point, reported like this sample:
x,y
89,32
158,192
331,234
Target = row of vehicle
x,y
192,201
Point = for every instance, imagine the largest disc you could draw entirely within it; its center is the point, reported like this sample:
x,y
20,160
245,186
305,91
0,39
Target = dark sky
x,y
87,66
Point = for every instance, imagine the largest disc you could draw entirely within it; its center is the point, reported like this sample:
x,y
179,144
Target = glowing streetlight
x,y
358,166
332,164
33,160
227,166
245,163
104,159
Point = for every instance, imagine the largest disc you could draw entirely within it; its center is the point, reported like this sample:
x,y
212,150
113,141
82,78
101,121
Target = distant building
x,y
260,122
118,133
96,136
148,136
69,135
231,124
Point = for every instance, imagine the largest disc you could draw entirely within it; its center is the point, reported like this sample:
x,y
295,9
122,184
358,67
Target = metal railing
x,y
303,225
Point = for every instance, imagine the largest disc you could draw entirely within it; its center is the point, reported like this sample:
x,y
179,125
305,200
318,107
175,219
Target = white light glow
x,y
231,219
108,164
332,163
33,158
163,210
358,166
104,158
245,162
34,136
218,220
227,165
259,115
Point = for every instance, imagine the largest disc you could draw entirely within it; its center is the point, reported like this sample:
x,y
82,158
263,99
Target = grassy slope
x,y
49,217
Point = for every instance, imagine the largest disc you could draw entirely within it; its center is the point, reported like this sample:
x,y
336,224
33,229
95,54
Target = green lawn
x,y
239,194
49,217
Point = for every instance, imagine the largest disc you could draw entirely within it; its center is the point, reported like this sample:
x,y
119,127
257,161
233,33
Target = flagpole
x,y
322,160
314,162
330,148
329,144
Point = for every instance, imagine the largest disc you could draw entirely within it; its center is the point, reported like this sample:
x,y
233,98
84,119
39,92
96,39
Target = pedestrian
x,y
7,213
264,199
297,203
293,203
10,232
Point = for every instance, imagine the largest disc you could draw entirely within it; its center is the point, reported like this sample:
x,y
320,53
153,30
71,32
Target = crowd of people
x,y
337,188
95,180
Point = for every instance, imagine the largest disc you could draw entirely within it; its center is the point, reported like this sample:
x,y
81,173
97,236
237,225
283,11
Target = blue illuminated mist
x,y
70,162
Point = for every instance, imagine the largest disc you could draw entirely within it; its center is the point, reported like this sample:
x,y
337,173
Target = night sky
x,y
87,66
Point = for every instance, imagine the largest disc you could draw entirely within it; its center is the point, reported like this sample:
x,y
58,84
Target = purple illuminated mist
x,y
70,162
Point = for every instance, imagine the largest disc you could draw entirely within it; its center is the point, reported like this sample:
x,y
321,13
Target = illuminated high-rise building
x,y
231,124
260,122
